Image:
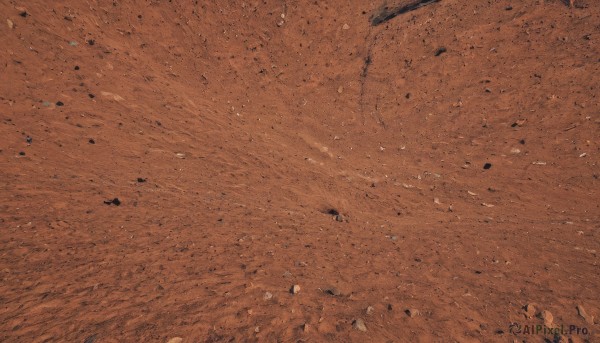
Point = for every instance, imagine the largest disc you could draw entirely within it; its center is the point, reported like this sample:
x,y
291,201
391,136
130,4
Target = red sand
x,y
249,121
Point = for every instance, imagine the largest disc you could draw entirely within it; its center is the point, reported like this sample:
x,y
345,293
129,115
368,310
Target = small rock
x,y
91,141
180,155
530,310
29,140
547,317
346,27
114,201
76,68
333,291
267,296
60,103
257,329
295,289
340,89
141,179
91,42
515,151
370,310
301,264
339,218
73,43
24,14
487,166
305,327
21,153
412,312
175,340
10,24
359,325
440,51
588,318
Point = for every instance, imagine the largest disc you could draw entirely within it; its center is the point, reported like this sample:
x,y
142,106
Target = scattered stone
x,y
114,201
24,14
522,142
257,329
92,141
588,318
390,307
91,96
91,42
530,310
519,123
346,27
29,140
340,89
60,103
295,289
370,310
547,317
359,324
437,201
301,264
412,312
333,291
141,180
175,340
10,24
340,218
304,327
73,43
267,296
508,8
76,68
180,155
487,166
21,153
440,51
515,151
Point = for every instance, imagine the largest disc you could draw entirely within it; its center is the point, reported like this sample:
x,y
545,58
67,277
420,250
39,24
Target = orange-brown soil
x,y
232,132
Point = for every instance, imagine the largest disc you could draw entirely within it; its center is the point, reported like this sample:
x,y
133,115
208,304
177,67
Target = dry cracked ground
x,y
421,171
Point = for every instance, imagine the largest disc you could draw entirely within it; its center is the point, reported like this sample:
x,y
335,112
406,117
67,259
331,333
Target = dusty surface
x,y
248,123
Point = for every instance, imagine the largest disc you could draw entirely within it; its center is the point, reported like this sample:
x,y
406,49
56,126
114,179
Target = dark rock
x,y
114,201
487,166
92,141
76,68
24,14
91,42
60,103
22,153
141,179
29,139
440,51
508,8
91,96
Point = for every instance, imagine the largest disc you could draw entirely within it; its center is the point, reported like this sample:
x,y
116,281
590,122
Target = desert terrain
x,y
299,171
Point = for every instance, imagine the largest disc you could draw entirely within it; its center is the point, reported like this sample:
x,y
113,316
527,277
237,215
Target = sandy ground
x,y
459,144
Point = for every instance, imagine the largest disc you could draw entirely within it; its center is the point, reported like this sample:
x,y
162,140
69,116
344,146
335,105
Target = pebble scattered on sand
x,y
175,340
530,310
412,312
547,317
295,289
359,325
370,310
267,296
